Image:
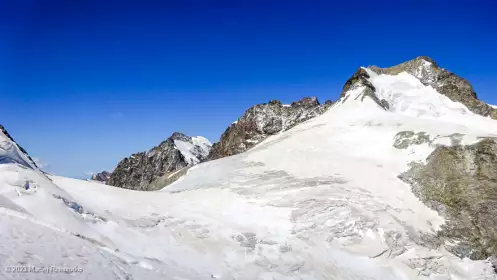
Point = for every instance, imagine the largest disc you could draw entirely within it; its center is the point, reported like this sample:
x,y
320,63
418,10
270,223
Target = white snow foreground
x,y
319,201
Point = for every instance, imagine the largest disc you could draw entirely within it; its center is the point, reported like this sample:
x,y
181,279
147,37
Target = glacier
x,y
319,201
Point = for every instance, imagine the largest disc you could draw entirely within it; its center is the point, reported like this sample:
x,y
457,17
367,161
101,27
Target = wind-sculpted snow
x,y
229,236
33,250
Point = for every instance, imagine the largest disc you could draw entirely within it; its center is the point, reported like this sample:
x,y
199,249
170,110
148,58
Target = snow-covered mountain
x,y
396,180
262,121
162,164
11,152
457,178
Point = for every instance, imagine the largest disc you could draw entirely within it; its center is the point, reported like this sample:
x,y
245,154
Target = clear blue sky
x,y
86,83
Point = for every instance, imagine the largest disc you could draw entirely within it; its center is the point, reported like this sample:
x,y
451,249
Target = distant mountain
x,y
263,120
162,164
103,176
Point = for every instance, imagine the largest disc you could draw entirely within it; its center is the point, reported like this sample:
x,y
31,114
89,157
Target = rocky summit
x,y
101,177
429,74
160,165
263,120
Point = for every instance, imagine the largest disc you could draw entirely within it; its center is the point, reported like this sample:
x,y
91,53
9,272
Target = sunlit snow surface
x,y
319,201
193,152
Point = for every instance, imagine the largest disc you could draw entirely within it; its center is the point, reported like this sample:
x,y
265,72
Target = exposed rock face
x,y
103,176
404,139
263,120
142,170
460,182
445,82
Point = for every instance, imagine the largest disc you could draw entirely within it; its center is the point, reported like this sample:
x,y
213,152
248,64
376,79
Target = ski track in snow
x,y
319,201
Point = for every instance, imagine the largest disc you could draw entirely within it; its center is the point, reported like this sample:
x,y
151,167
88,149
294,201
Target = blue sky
x,y
86,83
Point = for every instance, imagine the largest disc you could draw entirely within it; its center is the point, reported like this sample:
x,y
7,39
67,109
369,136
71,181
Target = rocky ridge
x,y
143,171
263,120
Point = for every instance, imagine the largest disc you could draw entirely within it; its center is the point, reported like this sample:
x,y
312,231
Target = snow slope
x,y
319,201
195,151
11,152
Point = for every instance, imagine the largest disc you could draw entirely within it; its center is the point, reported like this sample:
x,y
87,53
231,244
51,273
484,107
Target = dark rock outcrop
x,y
103,176
145,170
404,139
263,120
460,182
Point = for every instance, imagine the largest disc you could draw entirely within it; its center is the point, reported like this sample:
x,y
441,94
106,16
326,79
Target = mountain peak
x,y
427,71
426,58
423,59
307,102
143,171
180,136
274,102
101,177
422,67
